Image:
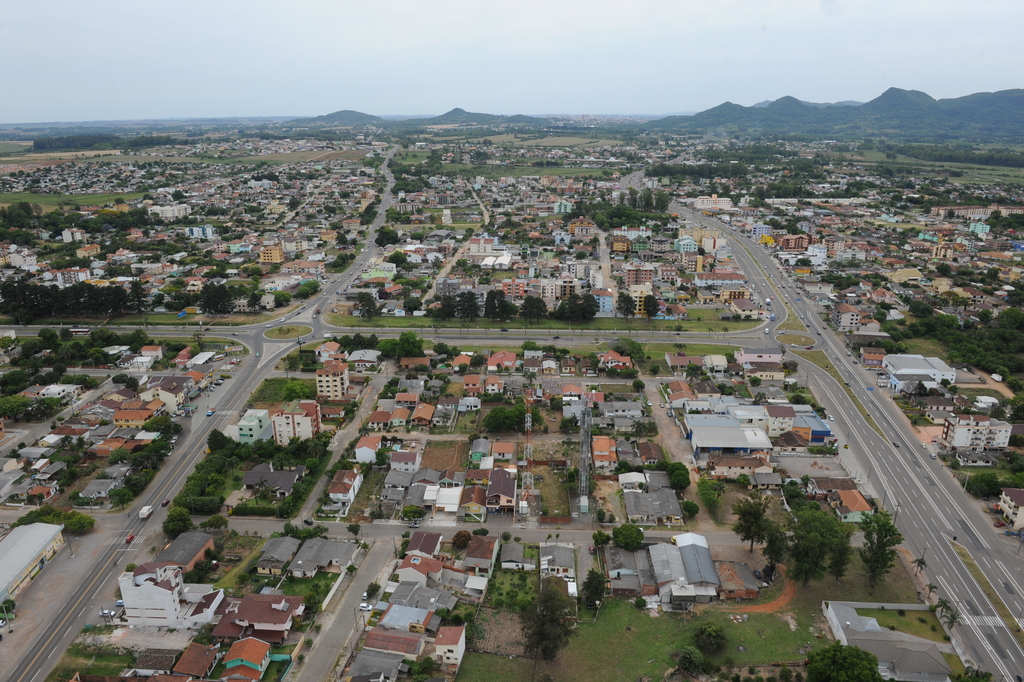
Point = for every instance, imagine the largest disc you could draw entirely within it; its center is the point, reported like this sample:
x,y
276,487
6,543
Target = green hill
x,y
896,112
462,117
345,117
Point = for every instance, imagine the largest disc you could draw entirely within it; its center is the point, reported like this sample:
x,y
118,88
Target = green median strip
x,y
990,592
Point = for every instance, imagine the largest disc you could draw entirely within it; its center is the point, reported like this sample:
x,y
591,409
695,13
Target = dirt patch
x,y
138,638
776,605
995,385
498,632
443,454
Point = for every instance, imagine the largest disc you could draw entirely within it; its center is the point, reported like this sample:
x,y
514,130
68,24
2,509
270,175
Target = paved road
x,y
929,505
96,574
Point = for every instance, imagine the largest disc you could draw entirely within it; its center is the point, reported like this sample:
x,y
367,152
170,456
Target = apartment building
x,y
296,419
332,380
975,432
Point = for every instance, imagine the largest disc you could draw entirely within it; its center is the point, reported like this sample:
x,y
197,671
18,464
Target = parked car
x,y
757,574
999,524
593,550
365,607
308,522
119,602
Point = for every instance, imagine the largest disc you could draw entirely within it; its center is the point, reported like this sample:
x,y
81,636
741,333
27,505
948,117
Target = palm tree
x,y
942,605
952,618
920,563
931,587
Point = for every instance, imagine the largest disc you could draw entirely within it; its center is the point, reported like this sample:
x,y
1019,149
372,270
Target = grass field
x,y
271,391
90,661
910,622
600,323
55,200
14,147
291,331
518,171
230,579
625,643
798,339
926,347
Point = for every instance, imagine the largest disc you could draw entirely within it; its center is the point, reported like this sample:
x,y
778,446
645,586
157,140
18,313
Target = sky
x,y
68,60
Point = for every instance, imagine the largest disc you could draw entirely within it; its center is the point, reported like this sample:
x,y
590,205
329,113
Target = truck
x,y
772,318
317,311
768,302
146,512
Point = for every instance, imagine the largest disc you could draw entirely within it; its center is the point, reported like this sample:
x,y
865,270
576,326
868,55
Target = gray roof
x,y
184,548
658,504
21,547
667,563
277,552
619,561
100,487
323,553
514,551
409,593
369,661
698,565
399,617
481,445
657,480
398,479
558,555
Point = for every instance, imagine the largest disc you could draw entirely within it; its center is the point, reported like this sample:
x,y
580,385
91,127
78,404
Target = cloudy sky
x,y
68,60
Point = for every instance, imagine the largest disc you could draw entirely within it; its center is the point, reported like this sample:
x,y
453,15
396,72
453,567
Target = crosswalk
x,y
990,621
118,538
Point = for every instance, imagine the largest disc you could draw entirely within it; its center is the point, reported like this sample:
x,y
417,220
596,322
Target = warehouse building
x,y
24,552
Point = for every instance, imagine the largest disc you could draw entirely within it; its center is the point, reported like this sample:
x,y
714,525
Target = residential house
x,y
248,658
501,491
481,554
342,490
850,505
321,554
425,543
187,550
1011,500
450,648
276,555
265,616
279,484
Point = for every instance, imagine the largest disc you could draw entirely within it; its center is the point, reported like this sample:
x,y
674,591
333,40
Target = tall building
x,y
296,419
332,380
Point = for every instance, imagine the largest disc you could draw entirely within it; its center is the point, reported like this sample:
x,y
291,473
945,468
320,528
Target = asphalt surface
x,y
930,507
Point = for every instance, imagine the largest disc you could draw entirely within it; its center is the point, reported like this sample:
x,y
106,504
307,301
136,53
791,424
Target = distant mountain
x,y
462,117
819,105
345,117
896,112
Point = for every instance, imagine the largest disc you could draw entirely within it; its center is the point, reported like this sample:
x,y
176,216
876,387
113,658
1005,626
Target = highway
x,y
929,505
33,661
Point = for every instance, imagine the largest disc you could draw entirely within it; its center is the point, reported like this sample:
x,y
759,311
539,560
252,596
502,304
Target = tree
x,y
692,661
678,476
638,385
214,522
366,306
751,513
709,637
466,306
494,305
838,663
296,389
121,497
593,587
651,307
628,536
354,528
461,539
625,305
8,605
546,630
839,559
533,309
601,538
816,533
709,491
77,523
372,590
177,522
690,508
880,540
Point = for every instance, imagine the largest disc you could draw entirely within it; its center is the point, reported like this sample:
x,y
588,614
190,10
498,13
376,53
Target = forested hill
x,y
896,113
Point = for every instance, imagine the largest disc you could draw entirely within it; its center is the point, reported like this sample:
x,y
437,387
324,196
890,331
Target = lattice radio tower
x,y
583,478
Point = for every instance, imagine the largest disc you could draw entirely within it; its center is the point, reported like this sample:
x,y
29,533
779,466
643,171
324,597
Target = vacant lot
x,y
271,392
553,497
91,661
442,454
498,632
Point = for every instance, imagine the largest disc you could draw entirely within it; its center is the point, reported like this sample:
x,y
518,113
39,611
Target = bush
x,y
902,612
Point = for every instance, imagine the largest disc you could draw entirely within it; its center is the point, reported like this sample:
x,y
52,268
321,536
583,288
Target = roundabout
x,y
288,331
